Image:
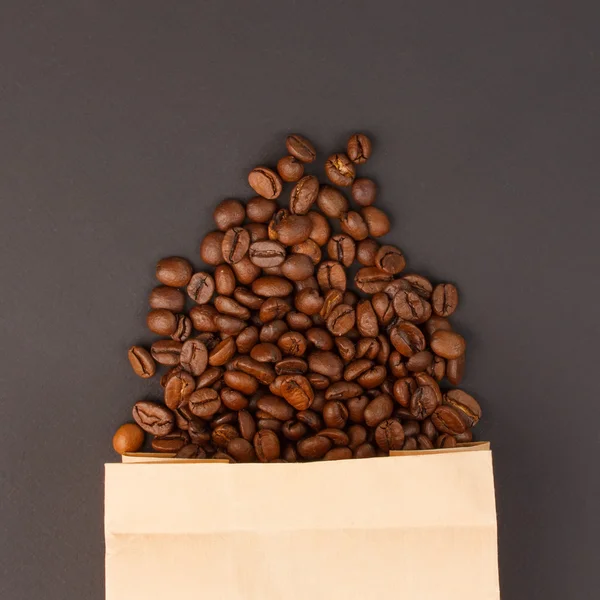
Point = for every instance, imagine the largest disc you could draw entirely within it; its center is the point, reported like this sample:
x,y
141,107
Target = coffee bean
x,y
233,399
203,318
247,298
235,244
420,284
424,443
308,248
438,368
341,320
371,280
310,283
464,438
178,389
367,348
161,321
342,248
420,361
229,325
297,267
272,331
410,443
359,148
273,308
141,361
331,202
258,231
204,403
320,338
266,352
301,148
389,435
320,228
304,195
290,168
364,191
396,365
192,451
445,441
292,343
183,329
241,450
210,248
224,280
166,352
346,348
335,414
265,182
428,429
194,357
409,306
308,301
465,405
447,344
384,349
172,442
434,323
289,229
201,287
240,381
271,286
209,377
376,220
444,299
168,298
342,390
229,213
340,170
297,391
326,363
174,271
365,451
313,448
455,369
291,366
331,274
447,420
153,418
422,403
354,225
366,319
222,353
128,438
379,409
275,407
222,434
230,307
372,378
266,445
390,259
366,251
267,253
260,210
407,339
383,308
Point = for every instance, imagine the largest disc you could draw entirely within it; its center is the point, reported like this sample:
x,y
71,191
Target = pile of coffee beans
x,y
278,359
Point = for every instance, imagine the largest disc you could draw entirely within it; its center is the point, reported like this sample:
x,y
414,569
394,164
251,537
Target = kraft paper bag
x,y
416,525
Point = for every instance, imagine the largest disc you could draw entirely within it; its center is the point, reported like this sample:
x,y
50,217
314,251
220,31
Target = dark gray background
x,y
123,123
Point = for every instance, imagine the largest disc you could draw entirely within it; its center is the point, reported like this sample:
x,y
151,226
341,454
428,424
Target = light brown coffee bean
x,y
141,361
265,182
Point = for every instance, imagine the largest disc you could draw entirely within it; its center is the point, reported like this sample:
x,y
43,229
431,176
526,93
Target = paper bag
x,y
417,525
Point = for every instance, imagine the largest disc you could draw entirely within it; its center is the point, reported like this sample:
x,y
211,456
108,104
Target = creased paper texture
x,y
421,526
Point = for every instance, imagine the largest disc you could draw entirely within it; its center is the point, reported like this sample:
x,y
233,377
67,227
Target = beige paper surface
x,y
419,526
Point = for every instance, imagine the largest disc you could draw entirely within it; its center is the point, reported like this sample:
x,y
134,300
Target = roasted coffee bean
x,y
265,182
205,402
267,253
233,399
320,338
183,329
266,353
407,339
297,391
410,443
342,248
223,434
141,361
313,448
366,319
308,248
383,308
318,381
174,271
424,443
331,274
241,450
320,228
338,454
199,432
343,390
411,428
420,284
310,283
337,436
229,306
341,320
260,210
326,363
340,170
229,213
271,286
291,366
201,287
333,298
235,244
194,357
404,388
331,202
246,271
161,321
272,331
172,442
308,301
447,344
447,420
365,451
222,353
300,148
247,298
192,451
292,343
444,299
275,408
438,368
372,280
372,378
203,318
376,220
335,414
357,435
364,191
395,286
465,405
455,369
409,306
356,408
356,368
290,169
273,308
297,267
229,325
367,348
247,425
354,225
389,435
128,438
168,298
359,148
311,419
210,249
266,445
304,195
464,438
378,409
424,380
166,352
420,361
422,403
366,252
298,321
390,259
428,429
396,364
153,418
289,229
434,323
